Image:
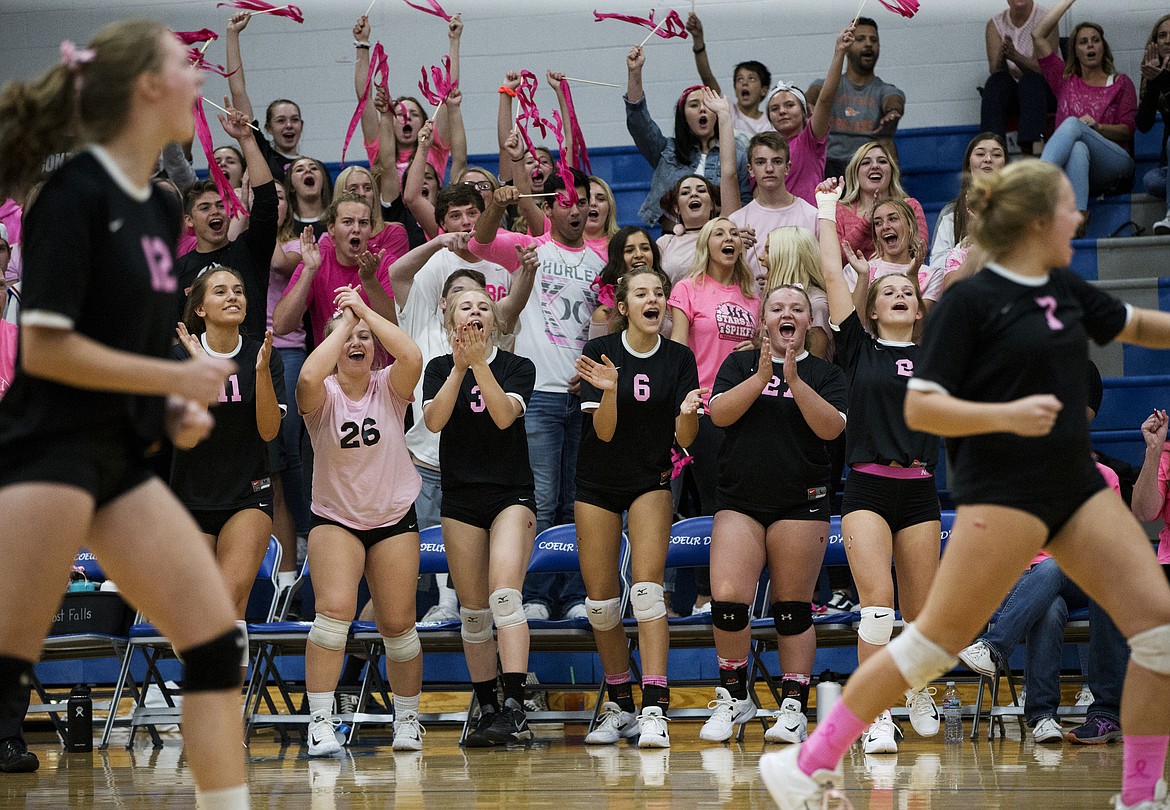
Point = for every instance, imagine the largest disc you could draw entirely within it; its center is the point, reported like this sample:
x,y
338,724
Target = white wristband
x,y
827,206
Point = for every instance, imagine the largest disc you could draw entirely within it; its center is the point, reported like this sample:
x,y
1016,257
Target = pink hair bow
x,y
292,12
580,157
380,73
679,461
673,27
195,37
907,8
431,7
73,56
200,61
442,80
230,201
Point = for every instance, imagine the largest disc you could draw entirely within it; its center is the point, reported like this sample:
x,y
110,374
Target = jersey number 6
x,y
368,432
641,387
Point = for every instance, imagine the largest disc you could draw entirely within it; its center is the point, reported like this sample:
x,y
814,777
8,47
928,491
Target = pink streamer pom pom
x,y
605,293
195,37
230,201
380,73
292,12
907,8
580,157
679,461
200,61
674,26
431,7
442,82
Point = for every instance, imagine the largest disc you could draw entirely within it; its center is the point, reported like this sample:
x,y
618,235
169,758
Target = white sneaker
x,y
1162,226
879,738
652,728
577,611
612,725
839,602
789,786
1047,729
408,733
923,712
791,724
1021,697
323,740
978,658
727,713
440,614
1085,696
1159,802
702,610
535,611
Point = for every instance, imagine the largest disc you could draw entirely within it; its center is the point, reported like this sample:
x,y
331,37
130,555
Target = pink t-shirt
x,y
1115,103
748,126
858,231
721,317
276,284
330,276
798,214
954,259
678,254
362,473
8,340
1164,488
437,156
807,159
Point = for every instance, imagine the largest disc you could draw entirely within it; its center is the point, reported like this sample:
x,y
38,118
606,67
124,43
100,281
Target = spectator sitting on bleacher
x,y
1016,85
750,79
872,175
864,107
1095,110
1154,98
986,153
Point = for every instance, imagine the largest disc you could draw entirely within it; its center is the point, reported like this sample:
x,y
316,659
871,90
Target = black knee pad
x,y
792,618
215,665
730,616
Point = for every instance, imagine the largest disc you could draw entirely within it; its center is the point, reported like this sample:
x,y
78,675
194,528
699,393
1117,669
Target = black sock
x,y
514,686
623,695
351,675
796,691
656,696
485,692
735,682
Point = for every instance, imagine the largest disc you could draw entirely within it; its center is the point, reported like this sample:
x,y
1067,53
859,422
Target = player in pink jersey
x,y
364,486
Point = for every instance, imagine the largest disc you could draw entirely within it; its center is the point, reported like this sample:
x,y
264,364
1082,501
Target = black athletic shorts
x,y
371,537
212,521
1053,511
900,502
614,500
480,505
817,509
105,463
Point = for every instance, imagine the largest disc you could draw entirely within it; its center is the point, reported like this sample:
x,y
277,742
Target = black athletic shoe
x,y
16,758
510,726
477,737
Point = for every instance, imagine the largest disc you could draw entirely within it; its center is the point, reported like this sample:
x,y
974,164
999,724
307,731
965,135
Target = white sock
x,y
321,702
285,579
233,798
402,705
246,653
447,597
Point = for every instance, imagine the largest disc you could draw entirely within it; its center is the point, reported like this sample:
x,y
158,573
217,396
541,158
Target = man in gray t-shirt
x,y
866,108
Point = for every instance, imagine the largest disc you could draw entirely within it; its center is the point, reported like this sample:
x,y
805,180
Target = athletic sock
x,y
733,676
447,597
321,702
831,739
233,798
1144,759
655,692
485,693
796,687
402,705
514,685
621,691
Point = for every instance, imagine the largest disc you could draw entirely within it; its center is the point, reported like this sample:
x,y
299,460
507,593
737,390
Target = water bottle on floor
x,y
952,712
79,726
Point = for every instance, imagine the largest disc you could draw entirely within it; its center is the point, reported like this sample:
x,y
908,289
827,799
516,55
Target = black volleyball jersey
x,y
770,456
250,253
472,449
651,390
99,260
995,338
229,468
877,372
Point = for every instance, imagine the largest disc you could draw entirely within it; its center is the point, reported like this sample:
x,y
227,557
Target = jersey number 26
x,y
368,432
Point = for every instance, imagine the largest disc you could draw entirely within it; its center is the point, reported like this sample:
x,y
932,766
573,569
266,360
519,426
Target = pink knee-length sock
x,y
832,738
1144,758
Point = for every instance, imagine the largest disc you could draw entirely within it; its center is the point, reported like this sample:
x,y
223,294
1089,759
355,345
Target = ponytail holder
x,y
507,91
73,57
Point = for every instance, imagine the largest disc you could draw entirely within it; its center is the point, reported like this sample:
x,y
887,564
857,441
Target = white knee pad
x,y
876,626
507,607
1151,649
246,651
329,632
605,614
918,658
477,625
404,647
648,602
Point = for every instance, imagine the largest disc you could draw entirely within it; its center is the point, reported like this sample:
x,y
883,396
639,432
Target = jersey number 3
x,y
368,432
477,403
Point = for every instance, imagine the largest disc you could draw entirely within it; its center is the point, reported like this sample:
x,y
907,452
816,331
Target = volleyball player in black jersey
x,y
640,394
779,407
1002,375
890,511
224,480
89,395
475,399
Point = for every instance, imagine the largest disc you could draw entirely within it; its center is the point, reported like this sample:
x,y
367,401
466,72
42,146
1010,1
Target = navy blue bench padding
x,y
1128,400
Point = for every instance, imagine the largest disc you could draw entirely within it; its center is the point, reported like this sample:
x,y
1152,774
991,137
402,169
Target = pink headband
x,y
683,98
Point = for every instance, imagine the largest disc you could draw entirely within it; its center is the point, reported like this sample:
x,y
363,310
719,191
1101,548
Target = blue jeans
x,y
1092,162
292,431
430,497
1025,605
1045,644
1155,179
1108,660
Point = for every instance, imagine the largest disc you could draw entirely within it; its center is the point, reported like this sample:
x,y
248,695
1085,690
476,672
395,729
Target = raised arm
x,y
522,181
699,49
505,123
1148,497
604,377
408,360
422,208
503,409
268,412
1042,42
361,72
291,308
390,186
840,301
727,408
729,199
403,271
380,300
321,362
235,64
519,290
442,118
458,135
822,107
554,81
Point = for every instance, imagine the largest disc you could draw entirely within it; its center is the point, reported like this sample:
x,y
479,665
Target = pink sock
x,y
831,740
1144,757
623,677
654,680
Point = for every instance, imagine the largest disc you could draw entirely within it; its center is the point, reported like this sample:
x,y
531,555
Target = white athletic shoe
x,y
323,740
923,712
535,611
612,725
440,614
1159,801
727,713
1047,729
791,724
978,658
652,728
408,733
789,786
880,737
1162,226
1085,696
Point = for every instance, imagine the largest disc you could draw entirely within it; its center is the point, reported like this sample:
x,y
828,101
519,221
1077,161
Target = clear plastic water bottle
x,y
952,712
